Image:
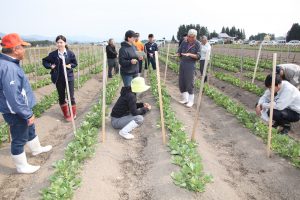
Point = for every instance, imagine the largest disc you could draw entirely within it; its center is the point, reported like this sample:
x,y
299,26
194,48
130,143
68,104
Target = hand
x,y
258,110
141,58
69,66
30,121
133,61
53,66
186,54
151,55
177,54
146,105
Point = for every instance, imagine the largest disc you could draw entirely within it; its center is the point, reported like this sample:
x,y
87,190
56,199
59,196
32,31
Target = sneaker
x,y
285,130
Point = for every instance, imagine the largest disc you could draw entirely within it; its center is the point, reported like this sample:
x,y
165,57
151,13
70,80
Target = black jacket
x,y
58,71
127,104
126,53
111,52
151,48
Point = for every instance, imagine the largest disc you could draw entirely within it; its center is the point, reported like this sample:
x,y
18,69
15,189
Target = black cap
x,y
130,34
278,69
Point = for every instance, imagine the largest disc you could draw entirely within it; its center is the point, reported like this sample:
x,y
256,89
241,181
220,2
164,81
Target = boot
x,y
22,165
74,111
125,132
191,101
36,148
185,98
65,110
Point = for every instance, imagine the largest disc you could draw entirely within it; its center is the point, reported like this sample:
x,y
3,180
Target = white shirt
x,y
203,50
62,53
287,97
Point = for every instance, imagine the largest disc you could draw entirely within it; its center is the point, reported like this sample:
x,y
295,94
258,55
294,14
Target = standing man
x,y
16,103
112,60
140,50
205,48
150,48
289,72
286,104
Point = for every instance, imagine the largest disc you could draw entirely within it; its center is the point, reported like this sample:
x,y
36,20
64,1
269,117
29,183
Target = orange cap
x,y
12,40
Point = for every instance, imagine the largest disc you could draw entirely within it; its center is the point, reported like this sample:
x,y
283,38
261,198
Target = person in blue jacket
x,y
54,62
16,103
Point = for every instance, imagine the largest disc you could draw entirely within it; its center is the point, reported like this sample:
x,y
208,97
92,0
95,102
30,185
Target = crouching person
x,y
16,103
286,104
127,114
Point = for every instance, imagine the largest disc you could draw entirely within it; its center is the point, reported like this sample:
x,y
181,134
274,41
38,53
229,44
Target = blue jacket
x,y
16,95
58,71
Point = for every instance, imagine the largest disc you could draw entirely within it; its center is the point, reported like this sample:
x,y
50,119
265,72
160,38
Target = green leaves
x,y
184,152
65,178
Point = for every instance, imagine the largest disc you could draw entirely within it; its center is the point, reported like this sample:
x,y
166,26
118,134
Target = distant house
x,y
226,38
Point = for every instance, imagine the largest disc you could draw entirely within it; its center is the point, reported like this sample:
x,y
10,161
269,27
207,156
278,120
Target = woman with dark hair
x,y
54,62
128,59
112,60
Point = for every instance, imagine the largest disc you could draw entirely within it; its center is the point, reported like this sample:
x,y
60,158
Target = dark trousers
x,y
61,90
20,132
202,62
140,66
285,117
112,64
127,78
152,61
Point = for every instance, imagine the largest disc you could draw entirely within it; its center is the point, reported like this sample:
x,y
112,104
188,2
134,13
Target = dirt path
x,y
136,169
235,157
52,129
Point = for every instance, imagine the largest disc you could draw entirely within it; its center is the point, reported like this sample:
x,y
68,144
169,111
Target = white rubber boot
x,y
191,100
125,132
185,98
36,148
22,166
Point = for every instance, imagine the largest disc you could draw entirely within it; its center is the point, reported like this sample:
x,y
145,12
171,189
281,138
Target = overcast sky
x,y
108,18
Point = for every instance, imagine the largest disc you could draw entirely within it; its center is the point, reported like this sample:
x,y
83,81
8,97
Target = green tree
x,y
293,33
173,39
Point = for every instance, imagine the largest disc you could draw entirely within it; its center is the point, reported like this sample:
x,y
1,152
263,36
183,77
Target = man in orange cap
x,y
16,103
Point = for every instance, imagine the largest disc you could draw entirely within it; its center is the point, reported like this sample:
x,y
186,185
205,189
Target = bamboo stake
x,y
104,97
256,64
160,99
271,105
68,93
200,97
166,65
78,67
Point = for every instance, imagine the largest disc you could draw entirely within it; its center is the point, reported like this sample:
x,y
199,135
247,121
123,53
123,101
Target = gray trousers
x,y
119,123
186,77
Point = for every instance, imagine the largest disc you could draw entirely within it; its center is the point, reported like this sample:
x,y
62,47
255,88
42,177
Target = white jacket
x,y
287,97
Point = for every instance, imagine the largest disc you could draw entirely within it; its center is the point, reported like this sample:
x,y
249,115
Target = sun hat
x,y
12,40
138,85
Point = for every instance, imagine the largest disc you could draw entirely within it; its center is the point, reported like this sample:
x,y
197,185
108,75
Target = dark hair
x,y
63,38
268,80
7,50
150,35
184,35
129,34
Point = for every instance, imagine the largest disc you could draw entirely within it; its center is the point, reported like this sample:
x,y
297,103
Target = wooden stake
x,y
104,97
160,99
68,93
271,105
200,97
166,65
256,64
9,135
78,67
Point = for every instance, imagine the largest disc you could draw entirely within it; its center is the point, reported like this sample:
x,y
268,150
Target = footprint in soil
x,y
124,196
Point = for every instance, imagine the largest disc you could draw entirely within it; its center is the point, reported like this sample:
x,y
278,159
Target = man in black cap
x,y
150,48
128,59
289,72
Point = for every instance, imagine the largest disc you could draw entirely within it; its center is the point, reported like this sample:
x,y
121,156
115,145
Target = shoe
x,y
65,110
286,129
191,101
22,166
185,98
74,111
125,132
36,148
